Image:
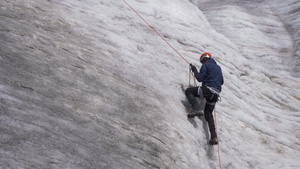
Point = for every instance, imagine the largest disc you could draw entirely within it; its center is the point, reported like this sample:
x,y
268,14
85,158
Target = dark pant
x,y
211,99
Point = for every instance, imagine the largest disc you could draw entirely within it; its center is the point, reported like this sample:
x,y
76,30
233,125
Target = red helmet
x,y
205,57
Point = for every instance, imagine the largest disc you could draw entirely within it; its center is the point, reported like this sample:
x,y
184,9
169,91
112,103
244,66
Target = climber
x,y
212,79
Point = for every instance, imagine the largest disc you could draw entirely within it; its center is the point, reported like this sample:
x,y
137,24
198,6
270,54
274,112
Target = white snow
x,y
256,43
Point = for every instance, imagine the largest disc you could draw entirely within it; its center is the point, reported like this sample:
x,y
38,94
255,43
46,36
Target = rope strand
x,y
217,139
157,32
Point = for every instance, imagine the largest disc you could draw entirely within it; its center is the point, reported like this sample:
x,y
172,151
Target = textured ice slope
x,y
86,84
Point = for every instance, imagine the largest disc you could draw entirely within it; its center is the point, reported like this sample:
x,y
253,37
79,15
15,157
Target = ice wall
x,y
86,84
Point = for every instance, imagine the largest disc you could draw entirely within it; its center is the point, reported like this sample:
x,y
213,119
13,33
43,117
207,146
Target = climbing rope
x,y
156,32
181,57
217,139
190,76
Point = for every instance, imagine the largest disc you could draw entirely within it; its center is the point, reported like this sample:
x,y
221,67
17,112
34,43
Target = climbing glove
x,y
194,69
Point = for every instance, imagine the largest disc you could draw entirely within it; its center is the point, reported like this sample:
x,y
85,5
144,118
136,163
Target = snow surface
x,y
87,84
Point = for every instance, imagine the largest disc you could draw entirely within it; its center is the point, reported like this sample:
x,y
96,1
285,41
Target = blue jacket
x,y
210,75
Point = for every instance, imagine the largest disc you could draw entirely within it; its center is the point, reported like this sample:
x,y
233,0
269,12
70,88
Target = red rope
x,y
218,140
156,32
